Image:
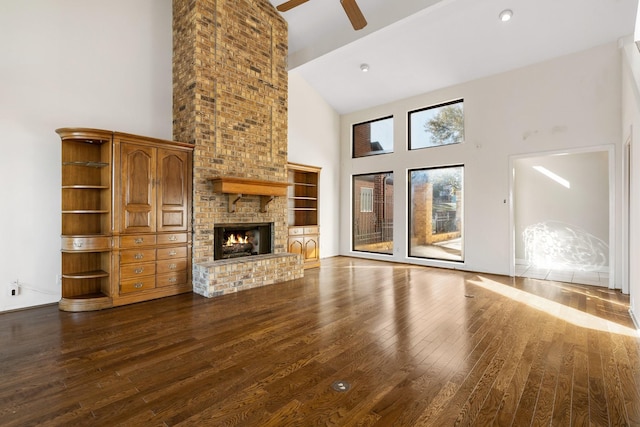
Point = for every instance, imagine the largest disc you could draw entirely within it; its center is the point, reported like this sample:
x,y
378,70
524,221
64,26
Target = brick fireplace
x,y
230,100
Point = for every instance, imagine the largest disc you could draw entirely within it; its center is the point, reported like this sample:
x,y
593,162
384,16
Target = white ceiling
x,y
417,46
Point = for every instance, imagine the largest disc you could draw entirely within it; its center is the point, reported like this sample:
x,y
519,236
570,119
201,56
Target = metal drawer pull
x,y
138,285
139,240
139,270
172,253
77,244
173,280
138,256
172,266
173,238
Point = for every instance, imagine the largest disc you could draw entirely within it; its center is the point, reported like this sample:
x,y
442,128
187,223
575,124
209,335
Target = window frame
x,y
433,107
370,153
410,213
354,177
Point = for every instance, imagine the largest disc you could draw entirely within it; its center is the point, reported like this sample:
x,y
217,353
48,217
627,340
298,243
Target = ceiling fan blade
x,y
290,5
354,13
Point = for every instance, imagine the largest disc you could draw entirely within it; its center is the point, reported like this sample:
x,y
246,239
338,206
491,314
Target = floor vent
x,y
341,386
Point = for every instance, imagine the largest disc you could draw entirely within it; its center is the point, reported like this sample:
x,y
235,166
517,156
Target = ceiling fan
x,y
350,7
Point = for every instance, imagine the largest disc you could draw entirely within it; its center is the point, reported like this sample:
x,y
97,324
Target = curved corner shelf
x,y
90,302
89,164
93,274
85,187
87,211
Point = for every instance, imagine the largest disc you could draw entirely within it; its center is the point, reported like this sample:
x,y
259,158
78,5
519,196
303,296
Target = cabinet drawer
x,y
86,243
137,240
140,284
296,231
172,238
137,255
170,265
299,231
169,253
129,271
171,279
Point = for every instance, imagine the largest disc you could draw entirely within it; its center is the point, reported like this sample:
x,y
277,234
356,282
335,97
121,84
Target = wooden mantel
x,y
237,188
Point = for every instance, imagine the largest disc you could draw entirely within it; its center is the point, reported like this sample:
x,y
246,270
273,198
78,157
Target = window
x,y
437,125
435,213
373,213
373,137
366,199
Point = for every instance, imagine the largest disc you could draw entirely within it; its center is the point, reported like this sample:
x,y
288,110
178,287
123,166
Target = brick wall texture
x,y
361,139
230,100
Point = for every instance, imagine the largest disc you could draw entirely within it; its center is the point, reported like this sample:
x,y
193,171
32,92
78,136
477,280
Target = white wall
x,y
314,139
636,32
569,102
101,64
631,131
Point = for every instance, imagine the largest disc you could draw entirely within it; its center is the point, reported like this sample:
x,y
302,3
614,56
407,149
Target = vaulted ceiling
x,y
417,46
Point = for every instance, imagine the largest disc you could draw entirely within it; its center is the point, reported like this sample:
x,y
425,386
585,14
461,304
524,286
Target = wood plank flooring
x,y
418,346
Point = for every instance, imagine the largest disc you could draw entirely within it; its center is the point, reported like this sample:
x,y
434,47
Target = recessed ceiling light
x,y
506,15
364,68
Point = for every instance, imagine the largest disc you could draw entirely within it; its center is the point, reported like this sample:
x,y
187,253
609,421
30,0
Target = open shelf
x,y
86,220
302,209
87,302
94,274
85,187
86,164
302,195
86,211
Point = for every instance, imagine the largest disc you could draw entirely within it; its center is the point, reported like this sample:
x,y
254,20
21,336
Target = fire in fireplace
x,y
240,240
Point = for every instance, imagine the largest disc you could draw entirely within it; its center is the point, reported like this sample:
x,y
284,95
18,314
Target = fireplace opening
x,y
240,240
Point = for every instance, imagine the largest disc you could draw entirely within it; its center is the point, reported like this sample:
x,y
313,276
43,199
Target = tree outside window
x,y
437,125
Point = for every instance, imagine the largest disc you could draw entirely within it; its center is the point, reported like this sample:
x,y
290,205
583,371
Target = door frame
x,y
610,149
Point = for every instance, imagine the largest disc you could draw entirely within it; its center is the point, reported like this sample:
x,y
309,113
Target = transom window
x,y
437,125
373,137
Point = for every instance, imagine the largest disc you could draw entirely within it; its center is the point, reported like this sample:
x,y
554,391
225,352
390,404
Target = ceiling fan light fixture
x,y
364,68
506,15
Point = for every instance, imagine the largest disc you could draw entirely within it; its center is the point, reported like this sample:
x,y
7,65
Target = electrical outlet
x,y
58,280
13,289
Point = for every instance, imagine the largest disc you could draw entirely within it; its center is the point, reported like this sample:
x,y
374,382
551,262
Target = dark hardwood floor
x,y
418,347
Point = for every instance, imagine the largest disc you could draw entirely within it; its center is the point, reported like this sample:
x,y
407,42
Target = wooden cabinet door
x,y
138,197
173,190
296,245
311,248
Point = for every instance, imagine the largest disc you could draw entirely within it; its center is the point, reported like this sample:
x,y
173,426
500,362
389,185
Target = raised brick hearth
x,y
230,100
212,279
